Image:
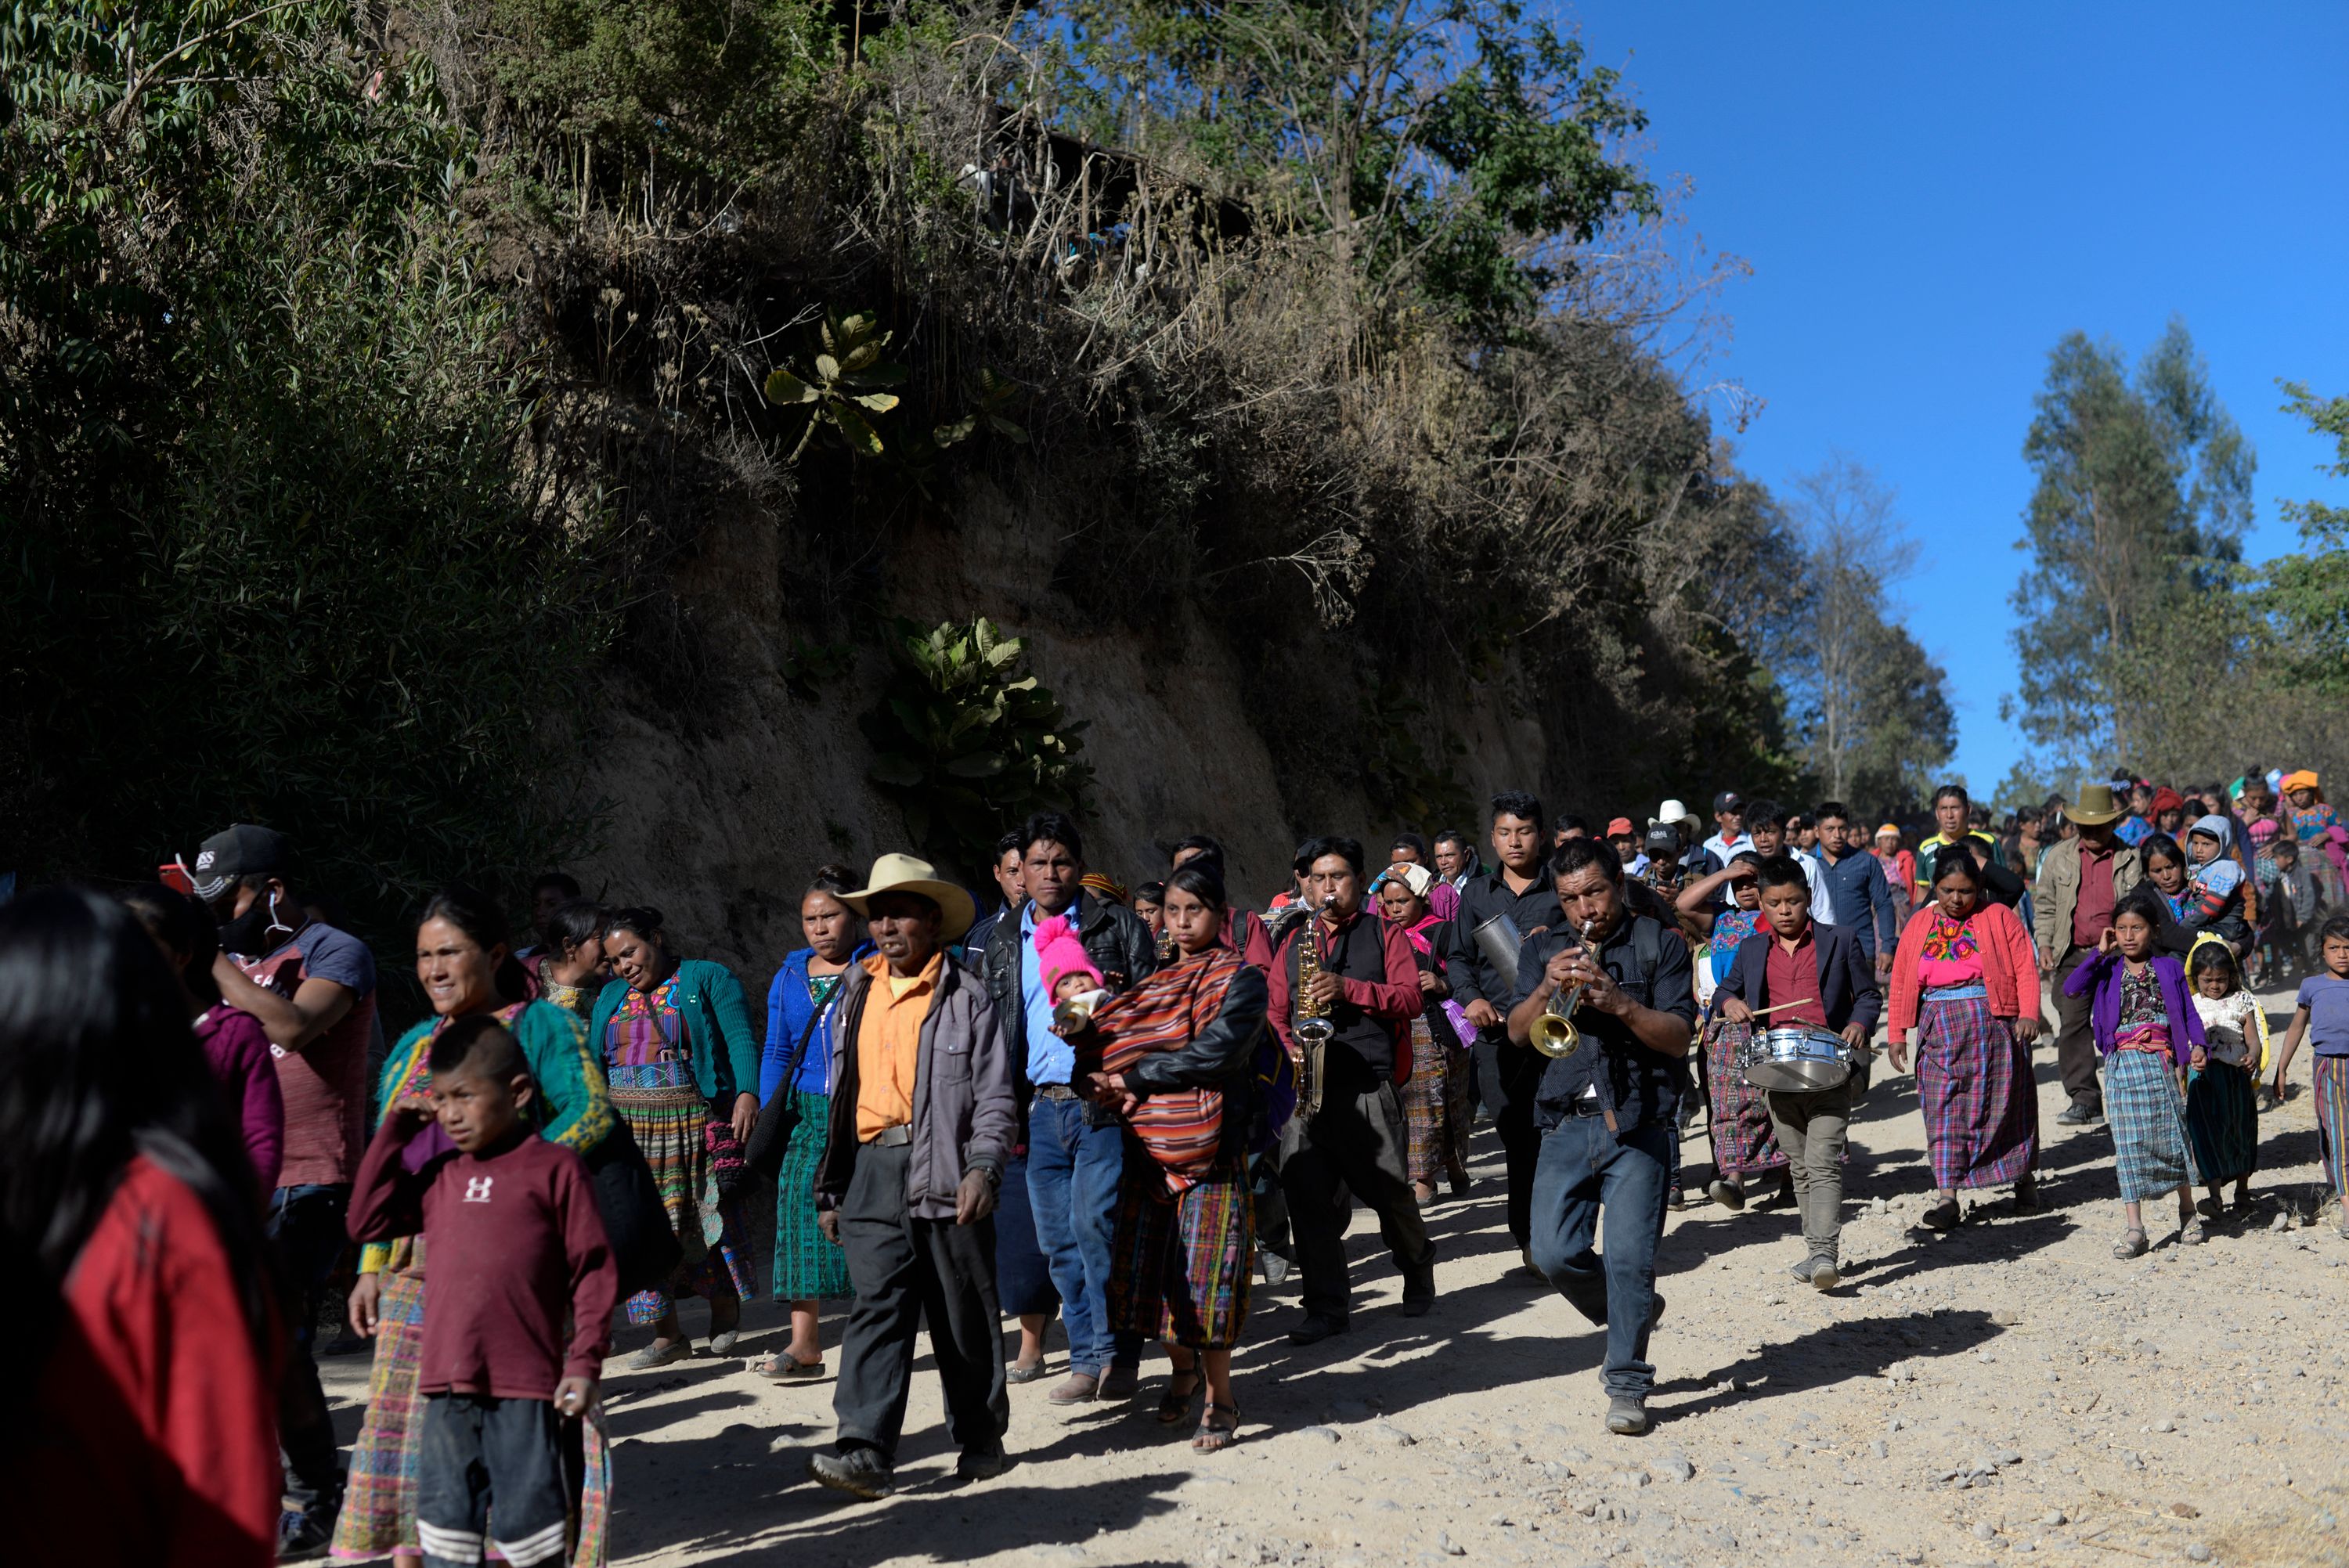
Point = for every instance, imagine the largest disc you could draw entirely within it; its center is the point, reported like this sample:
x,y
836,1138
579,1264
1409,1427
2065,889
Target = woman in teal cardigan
x,y
683,1063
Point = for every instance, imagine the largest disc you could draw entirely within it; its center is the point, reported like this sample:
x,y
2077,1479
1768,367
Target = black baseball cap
x,y
1728,800
242,850
1663,840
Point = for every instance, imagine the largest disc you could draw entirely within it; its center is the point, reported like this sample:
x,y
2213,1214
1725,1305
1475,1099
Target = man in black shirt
x,y
1607,1112
1506,1079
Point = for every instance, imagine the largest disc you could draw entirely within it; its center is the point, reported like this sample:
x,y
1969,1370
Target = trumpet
x,y
1554,1034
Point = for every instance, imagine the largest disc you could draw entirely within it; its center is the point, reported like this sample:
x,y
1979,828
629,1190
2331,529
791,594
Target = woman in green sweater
x,y
683,1062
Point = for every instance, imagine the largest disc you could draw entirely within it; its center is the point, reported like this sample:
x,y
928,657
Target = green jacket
x,y
719,1039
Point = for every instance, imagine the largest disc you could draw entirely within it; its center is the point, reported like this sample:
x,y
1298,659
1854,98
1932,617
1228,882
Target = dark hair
x,y
1417,845
1008,844
1831,809
1456,836
573,923
2162,844
1764,814
836,879
97,1064
479,1042
1950,793
1945,862
471,910
2143,902
2335,926
1151,893
1578,855
181,924
563,883
1572,823
2206,955
639,918
1205,843
2281,844
1780,870
1519,803
1054,828
1311,850
1199,882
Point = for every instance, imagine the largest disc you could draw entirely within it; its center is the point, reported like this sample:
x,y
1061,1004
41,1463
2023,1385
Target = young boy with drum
x,y
1811,997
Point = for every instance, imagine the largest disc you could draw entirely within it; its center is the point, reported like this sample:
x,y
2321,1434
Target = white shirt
x,y
1822,908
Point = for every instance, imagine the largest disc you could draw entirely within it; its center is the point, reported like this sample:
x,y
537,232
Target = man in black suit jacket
x,y
1831,984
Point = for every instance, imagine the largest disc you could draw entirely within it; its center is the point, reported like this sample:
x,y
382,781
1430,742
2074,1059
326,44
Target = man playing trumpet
x,y
1607,1110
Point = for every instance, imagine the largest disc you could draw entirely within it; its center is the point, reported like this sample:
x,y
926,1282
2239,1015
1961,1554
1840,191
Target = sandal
x,y
1944,1215
1175,1407
1214,1435
2132,1245
2190,1232
784,1366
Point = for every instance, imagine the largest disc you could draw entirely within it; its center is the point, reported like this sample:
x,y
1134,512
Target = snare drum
x,y
1795,1058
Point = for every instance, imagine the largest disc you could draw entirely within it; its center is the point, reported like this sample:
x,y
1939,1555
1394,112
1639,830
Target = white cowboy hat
x,y
904,874
1674,813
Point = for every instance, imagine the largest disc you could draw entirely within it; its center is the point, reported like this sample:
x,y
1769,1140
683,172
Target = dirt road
x,y
2006,1388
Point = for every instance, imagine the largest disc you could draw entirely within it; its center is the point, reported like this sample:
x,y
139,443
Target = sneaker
x,y
653,1356
2080,1113
1276,1267
1824,1276
1728,1195
1802,1271
860,1472
981,1464
1119,1382
304,1532
1315,1329
1626,1415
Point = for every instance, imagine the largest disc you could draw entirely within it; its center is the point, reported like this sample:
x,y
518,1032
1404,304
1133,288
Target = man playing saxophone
x,y
1367,991
1606,1112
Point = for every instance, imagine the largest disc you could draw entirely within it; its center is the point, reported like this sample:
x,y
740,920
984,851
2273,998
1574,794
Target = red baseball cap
x,y
1620,827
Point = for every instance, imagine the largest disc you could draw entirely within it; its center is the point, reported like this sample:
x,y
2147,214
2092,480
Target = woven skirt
x,y
2330,1079
1439,1103
2222,1122
1179,1265
1742,1142
1975,1089
2150,1153
378,1513
669,1126
807,1266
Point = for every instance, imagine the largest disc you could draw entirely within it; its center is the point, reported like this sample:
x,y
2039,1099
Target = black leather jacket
x,y
1114,938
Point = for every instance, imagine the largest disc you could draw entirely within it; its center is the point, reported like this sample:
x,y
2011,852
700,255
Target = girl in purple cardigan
x,y
2150,1035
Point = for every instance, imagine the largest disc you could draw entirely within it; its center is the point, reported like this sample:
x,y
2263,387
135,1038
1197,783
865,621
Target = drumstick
x,y
1798,1002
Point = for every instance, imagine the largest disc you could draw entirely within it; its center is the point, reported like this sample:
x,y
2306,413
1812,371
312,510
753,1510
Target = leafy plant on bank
x,y
967,739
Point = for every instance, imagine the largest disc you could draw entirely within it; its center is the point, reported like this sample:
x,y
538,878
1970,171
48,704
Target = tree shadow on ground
x,y
1832,1354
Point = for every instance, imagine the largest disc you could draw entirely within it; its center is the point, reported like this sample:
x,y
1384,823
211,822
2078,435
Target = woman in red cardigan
x,y
1966,980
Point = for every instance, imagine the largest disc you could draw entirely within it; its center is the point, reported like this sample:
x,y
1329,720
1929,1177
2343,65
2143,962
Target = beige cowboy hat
x,y
904,874
2095,807
1674,813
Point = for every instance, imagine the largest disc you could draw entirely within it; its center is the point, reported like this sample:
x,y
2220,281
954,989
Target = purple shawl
x,y
2102,971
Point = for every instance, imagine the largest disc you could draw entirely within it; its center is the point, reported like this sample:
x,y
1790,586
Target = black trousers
x,y
905,1269
2075,1041
306,1224
480,1452
1356,1142
1507,1077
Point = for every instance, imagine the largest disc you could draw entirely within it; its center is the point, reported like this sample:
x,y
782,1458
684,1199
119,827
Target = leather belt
x,y
1586,1105
1055,1091
895,1137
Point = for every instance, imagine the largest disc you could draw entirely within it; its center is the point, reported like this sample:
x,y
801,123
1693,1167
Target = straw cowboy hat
x,y
2095,807
904,874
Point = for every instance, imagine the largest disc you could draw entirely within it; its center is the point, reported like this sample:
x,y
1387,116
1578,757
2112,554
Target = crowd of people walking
x,y
1133,1112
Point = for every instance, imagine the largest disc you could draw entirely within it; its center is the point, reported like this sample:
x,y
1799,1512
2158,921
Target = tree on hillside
x,y
2143,490
2309,591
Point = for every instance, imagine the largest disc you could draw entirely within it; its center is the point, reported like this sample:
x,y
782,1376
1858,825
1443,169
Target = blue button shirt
x,y
1050,1059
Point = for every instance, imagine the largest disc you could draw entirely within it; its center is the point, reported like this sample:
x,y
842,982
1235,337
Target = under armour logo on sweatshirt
x,y
477,1188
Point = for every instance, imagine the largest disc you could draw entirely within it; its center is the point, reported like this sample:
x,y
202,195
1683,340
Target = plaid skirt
x,y
1439,1104
2150,1153
2330,1079
2222,1122
1742,1142
379,1513
1179,1266
669,1127
807,1267
1974,1086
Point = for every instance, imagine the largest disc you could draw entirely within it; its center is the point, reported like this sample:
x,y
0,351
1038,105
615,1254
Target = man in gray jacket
x,y
921,1121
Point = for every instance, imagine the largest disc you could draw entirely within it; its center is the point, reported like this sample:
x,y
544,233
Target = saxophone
x,y
1165,947
1313,1026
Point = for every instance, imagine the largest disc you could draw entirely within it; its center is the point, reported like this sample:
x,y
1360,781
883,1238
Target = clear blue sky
x,y
1931,197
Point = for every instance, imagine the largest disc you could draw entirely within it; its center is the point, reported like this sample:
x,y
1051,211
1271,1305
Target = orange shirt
x,y
889,1042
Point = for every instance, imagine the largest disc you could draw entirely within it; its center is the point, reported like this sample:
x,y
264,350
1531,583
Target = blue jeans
x,y
1073,1173
1584,1168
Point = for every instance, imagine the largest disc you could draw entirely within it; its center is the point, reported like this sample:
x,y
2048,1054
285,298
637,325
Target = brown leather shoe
x,y
1076,1388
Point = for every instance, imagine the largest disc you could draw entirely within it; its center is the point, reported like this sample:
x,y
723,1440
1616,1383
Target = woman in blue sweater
x,y
683,1062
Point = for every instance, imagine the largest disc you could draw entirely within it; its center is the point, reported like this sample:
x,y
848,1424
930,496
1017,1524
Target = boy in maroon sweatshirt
x,y
517,1247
